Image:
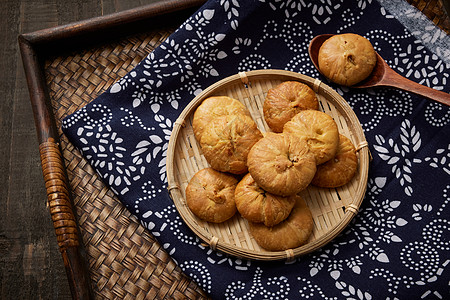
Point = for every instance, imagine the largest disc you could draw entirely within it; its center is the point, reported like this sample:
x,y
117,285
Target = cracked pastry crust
x,y
319,130
339,170
347,59
227,141
259,206
281,164
291,233
210,195
212,108
285,101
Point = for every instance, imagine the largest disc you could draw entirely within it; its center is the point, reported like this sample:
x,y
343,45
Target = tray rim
x,y
34,48
210,239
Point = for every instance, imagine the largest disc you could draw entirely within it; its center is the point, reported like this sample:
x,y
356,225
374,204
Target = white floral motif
x,y
108,157
201,52
301,63
378,216
257,290
198,272
446,197
350,292
97,116
416,63
378,105
166,125
309,291
218,258
241,42
419,209
295,35
254,62
422,257
412,61
138,98
188,60
170,64
150,192
399,155
441,160
437,114
321,11
202,18
123,83
172,222
130,119
291,8
158,99
231,7
147,150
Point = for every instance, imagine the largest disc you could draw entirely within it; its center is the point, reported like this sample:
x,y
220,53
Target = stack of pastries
x,y
261,176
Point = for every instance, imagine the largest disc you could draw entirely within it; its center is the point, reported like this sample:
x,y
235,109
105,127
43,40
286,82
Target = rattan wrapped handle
x,y
64,222
58,196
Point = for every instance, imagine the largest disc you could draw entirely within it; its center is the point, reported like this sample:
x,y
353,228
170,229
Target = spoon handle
x,y
400,82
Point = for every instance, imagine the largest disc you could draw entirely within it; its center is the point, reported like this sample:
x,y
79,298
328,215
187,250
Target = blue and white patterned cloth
x,y
398,246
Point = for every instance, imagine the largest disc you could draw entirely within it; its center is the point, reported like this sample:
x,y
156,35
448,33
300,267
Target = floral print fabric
x,y
397,246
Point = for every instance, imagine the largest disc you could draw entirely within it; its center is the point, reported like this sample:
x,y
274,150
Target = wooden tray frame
x,y
35,47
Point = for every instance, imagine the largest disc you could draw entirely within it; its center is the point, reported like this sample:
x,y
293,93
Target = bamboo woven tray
x,y
332,209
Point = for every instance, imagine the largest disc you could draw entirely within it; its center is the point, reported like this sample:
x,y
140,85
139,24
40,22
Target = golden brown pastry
x,y
212,108
227,140
259,206
347,59
210,195
285,101
319,130
340,169
291,233
281,164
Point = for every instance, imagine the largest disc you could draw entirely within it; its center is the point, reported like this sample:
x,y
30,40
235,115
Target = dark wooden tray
x,y
106,252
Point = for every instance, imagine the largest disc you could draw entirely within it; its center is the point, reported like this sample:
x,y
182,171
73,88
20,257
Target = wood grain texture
x,y
30,262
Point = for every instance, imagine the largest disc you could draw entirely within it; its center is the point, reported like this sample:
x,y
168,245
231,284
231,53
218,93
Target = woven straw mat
x,y
124,260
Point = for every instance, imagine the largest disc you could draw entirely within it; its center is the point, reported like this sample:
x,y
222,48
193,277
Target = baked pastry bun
x,y
285,101
291,233
259,206
210,195
347,58
340,169
281,164
227,141
212,108
319,130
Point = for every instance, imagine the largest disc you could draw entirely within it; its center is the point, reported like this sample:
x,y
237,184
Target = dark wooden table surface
x,y
30,264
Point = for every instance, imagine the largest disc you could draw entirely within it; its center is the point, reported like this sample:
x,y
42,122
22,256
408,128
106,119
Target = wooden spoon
x,y
382,75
